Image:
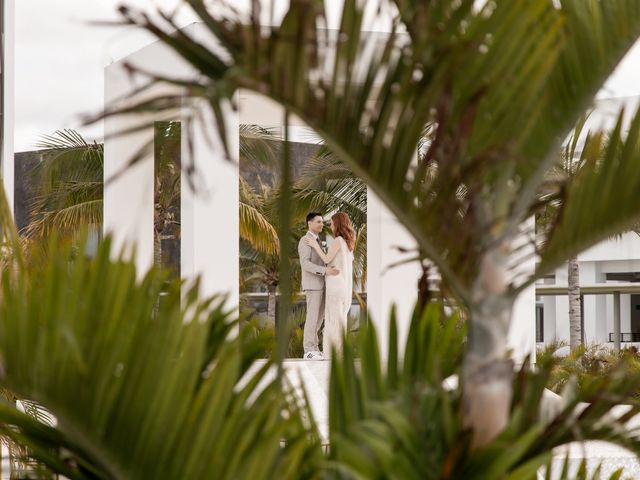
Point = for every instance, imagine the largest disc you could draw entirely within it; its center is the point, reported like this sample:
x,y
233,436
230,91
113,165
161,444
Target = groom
x,y
313,275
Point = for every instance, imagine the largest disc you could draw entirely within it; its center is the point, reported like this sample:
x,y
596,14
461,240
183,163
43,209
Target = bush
x,y
585,363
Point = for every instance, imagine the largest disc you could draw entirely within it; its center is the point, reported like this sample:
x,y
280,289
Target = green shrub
x,y
586,363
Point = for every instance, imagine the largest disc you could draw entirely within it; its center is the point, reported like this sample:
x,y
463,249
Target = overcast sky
x,y
60,60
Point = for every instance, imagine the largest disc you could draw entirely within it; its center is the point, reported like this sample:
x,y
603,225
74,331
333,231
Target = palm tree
x,y
145,382
531,69
259,260
142,380
572,158
582,150
327,185
69,187
403,419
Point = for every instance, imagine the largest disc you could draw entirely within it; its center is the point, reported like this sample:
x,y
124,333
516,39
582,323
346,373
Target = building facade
x,y
609,274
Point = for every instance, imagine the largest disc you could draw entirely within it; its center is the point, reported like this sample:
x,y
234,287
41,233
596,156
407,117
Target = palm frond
x,y
258,145
257,230
600,201
348,195
144,381
405,421
371,99
322,166
11,254
69,187
68,221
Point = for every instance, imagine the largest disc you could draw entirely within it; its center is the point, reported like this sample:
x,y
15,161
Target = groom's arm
x,y
304,251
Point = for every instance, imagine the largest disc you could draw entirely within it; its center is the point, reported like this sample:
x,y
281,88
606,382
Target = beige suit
x,y
313,284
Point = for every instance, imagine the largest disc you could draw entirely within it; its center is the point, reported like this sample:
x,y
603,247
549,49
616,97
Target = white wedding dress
x,y
339,291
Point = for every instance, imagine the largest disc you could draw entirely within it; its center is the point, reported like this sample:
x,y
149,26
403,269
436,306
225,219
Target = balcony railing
x,y
626,337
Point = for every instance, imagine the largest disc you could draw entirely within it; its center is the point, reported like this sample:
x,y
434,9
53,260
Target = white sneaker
x,y
313,356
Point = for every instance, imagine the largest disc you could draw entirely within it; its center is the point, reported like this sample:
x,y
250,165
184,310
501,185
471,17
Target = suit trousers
x,y
314,320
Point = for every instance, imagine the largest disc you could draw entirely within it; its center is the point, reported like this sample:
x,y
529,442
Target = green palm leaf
x,y
496,86
69,187
405,421
601,201
255,226
257,145
143,380
371,99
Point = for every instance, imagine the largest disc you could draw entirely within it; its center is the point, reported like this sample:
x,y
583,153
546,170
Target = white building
x,y
211,251
609,273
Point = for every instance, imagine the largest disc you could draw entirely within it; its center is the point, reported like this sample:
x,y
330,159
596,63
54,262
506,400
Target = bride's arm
x,y
330,255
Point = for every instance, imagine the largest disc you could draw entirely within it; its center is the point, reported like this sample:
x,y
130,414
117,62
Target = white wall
x,y
607,110
128,196
588,277
209,214
210,217
388,286
7,162
550,321
598,309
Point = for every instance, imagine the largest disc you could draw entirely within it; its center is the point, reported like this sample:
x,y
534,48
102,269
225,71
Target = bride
x,y
339,288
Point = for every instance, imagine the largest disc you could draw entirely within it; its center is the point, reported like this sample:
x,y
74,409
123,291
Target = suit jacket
x,y
313,268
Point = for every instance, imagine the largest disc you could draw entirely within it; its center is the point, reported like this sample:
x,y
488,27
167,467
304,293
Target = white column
x,y
388,286
616,320
522,333
7,162
128,191
210,213
562,307
602,328
549,302
589,311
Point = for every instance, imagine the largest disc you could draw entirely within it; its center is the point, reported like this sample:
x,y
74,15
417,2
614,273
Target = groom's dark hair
x,y
313,215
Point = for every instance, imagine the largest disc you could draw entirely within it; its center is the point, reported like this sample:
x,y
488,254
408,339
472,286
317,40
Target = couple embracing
x,y
327,280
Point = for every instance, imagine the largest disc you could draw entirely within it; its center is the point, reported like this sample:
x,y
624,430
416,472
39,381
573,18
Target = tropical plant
x,y
531,69
575,154
265,328
403,417
327,186
585,362
582,150
260,259
144,380
68,187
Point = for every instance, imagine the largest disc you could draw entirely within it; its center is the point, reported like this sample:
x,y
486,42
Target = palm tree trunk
x,y
271,304
487,370
575,312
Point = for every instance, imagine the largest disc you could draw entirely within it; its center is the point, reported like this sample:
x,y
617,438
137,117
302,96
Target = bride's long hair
x,y
342,227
